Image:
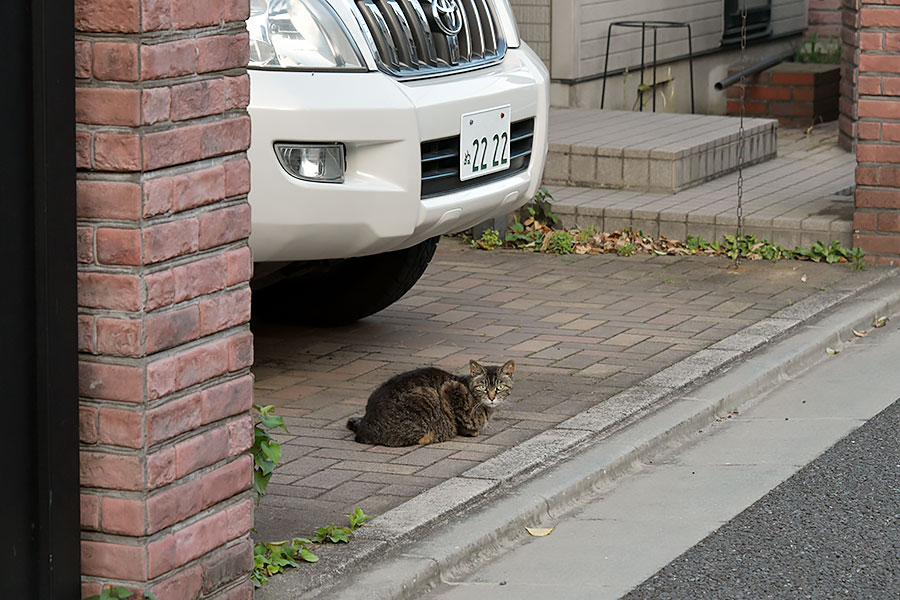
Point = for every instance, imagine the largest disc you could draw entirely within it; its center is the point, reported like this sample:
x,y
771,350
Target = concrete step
x,y
803,195
662,152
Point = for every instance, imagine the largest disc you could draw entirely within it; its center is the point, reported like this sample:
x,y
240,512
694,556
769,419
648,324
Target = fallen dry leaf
x,y
546,244
538,532
880,322
831,350
859,333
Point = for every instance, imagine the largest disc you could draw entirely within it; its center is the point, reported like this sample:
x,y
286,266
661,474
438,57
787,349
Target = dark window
x,y
759,20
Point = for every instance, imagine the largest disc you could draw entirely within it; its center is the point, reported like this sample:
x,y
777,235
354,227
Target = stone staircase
x,y
803,195
645,151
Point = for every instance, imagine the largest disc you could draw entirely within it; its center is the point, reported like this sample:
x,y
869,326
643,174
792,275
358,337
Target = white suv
x,y
377,126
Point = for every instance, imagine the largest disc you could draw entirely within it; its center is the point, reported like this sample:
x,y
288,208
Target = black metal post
x,y
605,65
654,69
691,64
40,519
655,26
643,68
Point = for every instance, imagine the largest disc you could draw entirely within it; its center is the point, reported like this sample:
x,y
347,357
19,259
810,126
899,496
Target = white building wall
x,y
570,35
789,15
705,17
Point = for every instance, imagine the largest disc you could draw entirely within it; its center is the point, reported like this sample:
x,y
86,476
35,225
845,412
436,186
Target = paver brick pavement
x,y
580,328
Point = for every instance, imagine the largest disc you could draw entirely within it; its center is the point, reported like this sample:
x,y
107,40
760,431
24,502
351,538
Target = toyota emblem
x,y
447,16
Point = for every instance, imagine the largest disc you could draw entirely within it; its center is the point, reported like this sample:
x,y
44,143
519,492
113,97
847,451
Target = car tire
x,y
338,292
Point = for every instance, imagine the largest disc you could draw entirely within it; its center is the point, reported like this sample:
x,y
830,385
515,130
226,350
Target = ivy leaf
x,y
260,436
308,556
260,482
270,421
272,450
260,460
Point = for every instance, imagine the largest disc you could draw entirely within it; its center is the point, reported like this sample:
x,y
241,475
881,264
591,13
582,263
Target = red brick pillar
x,y
849,73
163,220
877,217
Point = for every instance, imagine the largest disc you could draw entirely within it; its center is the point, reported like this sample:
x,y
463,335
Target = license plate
x,y
484,142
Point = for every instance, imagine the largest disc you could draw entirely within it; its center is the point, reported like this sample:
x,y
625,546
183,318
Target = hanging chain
x,y
740,185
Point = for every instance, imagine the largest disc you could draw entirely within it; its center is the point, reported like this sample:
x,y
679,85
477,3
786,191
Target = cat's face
x,y
491,385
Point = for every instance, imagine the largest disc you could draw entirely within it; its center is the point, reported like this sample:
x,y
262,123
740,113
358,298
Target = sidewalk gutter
x,y
414,545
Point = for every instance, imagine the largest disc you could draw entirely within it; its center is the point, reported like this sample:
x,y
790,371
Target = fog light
x,y
312,162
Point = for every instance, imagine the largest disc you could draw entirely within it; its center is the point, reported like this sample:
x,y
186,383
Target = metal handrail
x,y
755,68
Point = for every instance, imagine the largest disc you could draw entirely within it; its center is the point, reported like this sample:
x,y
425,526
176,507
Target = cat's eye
x,y
501,386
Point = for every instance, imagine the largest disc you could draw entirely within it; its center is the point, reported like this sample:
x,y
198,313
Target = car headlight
x,y
304,34
508,23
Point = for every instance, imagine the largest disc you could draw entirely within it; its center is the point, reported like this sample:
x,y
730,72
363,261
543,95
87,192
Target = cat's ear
x,y
476,369
508,368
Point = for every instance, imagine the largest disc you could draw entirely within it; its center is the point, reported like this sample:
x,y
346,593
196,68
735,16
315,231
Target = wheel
x,y
337,292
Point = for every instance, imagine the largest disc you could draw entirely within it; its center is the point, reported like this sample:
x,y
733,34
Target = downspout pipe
x,y
755,68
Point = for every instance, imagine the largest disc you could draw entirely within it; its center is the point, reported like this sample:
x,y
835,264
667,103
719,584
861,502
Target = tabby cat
x,y
430,405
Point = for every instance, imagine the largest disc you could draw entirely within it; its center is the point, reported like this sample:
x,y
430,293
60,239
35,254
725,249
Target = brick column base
x,y
164,300
877,218
849,74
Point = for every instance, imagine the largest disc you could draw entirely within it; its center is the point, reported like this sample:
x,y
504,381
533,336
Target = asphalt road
x,y
830,531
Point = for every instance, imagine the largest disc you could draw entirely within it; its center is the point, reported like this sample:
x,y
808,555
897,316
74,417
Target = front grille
x,y
440,161
409,40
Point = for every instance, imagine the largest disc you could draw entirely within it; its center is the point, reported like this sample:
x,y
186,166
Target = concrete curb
x,y
501,496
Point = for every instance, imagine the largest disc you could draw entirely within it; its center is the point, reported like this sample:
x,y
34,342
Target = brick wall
x,y
877,217
849,73
164,303
797,94
825,18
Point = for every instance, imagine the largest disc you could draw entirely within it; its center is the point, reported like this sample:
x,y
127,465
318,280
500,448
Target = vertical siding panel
x,y
570,35
788,16
705,17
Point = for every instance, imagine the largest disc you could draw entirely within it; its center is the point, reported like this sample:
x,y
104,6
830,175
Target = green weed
x,y
266,451
357,518
540,208
626,249
814,50
120,593
561,242
585,235
519,236
490,239
271,558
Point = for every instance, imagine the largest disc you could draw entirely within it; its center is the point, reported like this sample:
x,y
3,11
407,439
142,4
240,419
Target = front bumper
x,y
381,121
